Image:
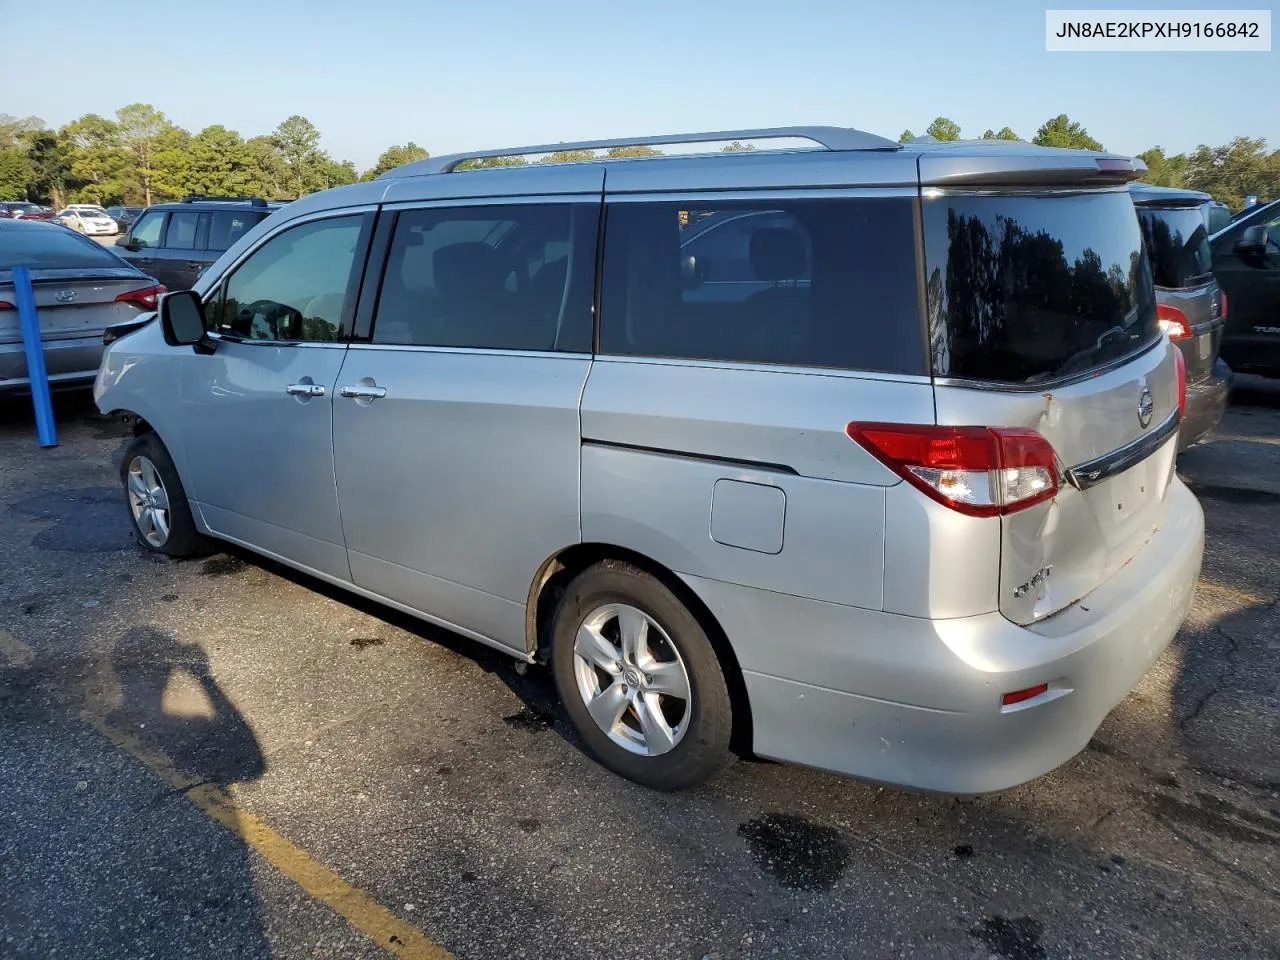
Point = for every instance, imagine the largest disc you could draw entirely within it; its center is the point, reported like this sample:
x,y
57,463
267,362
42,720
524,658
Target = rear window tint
x,y
226,228
1178,244
1023,289
820,283
45,247
182,229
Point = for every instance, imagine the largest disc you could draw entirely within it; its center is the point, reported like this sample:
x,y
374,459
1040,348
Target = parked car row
x,y
21,210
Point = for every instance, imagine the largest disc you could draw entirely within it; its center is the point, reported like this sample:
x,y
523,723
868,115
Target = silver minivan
x,y
859,456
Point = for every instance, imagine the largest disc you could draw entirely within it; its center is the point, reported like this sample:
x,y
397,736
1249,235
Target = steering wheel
x,y
275,315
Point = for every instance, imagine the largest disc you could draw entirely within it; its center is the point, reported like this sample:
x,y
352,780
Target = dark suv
x,y
1189,301
1246,261
174,242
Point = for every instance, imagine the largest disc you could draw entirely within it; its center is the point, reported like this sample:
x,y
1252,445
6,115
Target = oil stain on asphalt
x,y
222,566
530,719
795,851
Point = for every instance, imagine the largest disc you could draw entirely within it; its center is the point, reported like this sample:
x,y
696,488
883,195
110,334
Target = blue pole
x,y
46,431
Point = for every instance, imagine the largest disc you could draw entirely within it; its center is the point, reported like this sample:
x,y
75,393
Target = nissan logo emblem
x,y
1146,407
65,296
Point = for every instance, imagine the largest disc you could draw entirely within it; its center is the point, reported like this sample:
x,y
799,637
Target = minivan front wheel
x,y
640,679
158,505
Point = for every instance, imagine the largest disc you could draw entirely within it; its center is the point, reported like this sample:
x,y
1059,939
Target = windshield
x,y
1178,245
1027,288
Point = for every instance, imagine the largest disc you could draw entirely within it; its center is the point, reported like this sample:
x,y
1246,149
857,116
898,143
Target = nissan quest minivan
x,y
858,456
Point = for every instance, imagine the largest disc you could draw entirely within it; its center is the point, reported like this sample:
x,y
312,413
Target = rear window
x,y
815,283
1024,289
1178,244
48,247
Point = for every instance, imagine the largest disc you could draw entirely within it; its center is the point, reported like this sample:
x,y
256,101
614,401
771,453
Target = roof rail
x,y
829,138
200,198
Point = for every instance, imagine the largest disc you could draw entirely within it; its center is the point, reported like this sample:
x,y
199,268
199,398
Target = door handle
x,y
362,391
305,389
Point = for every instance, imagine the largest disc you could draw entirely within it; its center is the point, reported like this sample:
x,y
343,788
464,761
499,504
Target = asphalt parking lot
x,y
220,758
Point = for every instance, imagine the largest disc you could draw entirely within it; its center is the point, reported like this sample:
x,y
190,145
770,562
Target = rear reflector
x,y
145,298
979,471
1173,322
1180,366
6,305
1018,696
1223,295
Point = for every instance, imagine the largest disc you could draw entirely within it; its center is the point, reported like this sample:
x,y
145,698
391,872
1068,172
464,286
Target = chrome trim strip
x,y
491,199
769,368
482,351
1085,475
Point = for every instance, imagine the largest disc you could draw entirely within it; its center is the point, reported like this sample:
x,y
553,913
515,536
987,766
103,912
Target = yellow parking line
x,y
359,909
17,653
1243,596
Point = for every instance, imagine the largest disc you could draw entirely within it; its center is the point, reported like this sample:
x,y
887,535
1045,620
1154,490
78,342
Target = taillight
x,y
1173,322
1223,295
979,471
145,298
6,305
1180,365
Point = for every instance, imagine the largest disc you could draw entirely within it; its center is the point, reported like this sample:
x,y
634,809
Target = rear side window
x,y
1024,289
182,229
821,283
50,247
146,232
506,277
1178,244
226,228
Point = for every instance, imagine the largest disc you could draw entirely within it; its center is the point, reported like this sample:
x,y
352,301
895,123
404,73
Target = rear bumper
x,y
917,703
1206,403
68,363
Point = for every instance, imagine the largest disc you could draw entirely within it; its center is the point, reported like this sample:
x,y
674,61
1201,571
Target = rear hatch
x,y
1188,299
1042,316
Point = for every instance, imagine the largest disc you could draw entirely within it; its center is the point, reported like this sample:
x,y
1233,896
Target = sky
x,y
453,76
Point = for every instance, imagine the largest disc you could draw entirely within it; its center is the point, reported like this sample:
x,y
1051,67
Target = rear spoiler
x,y
1041,169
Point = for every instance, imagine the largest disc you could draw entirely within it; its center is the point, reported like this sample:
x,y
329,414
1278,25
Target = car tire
x,y
659,712
158,507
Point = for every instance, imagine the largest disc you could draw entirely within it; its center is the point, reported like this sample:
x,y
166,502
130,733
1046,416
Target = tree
x,y
569,156
943,129
139,130
483,163
339,174
15,173
50,168
1062,131
100,167
297,142
218,165
1004,134
396,156
1233,171
737,147
16,132
622,153
1164,171
267,175
906,136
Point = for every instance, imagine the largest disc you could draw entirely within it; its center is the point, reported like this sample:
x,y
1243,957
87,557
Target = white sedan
x,y
90,222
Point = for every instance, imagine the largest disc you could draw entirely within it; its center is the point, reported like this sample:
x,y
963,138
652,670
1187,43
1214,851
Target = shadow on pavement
x,y
110,861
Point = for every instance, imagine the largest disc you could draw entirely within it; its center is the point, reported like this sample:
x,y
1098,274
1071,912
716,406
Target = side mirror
x,y
182,320
132,245
1252,243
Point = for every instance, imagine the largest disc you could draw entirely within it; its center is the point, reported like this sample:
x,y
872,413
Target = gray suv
x,y
860,457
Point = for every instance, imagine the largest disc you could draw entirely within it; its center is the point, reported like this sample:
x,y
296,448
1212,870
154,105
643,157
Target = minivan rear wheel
x,y
640,679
